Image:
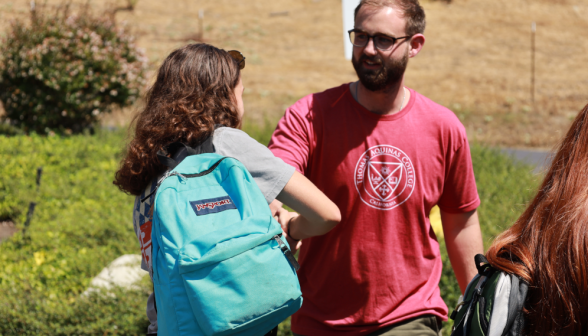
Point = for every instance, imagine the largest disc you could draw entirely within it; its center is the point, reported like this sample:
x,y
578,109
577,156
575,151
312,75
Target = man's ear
x,y
416,44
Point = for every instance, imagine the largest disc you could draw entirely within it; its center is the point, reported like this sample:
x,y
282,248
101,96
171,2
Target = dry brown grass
x,y
476,60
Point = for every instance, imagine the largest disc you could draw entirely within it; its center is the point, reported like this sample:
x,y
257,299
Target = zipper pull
x,y
166,175
181,177
170,174
160,181
287,253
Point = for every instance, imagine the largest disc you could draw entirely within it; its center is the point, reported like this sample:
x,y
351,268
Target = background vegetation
x,y
59,71
476,59
83,222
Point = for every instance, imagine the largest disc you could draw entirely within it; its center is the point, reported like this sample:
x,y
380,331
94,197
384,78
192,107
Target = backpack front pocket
x,y
251,291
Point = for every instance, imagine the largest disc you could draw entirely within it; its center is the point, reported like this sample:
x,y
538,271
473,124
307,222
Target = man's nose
x,y
370,48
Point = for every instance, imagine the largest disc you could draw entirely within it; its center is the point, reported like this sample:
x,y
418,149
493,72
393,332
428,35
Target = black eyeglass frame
x,y
373,38
238,57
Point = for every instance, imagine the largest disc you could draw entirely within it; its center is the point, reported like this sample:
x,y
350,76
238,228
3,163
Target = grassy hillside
x,y
476,59
82,222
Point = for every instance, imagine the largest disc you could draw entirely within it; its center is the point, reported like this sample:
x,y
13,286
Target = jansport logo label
x,y
384,177
212,205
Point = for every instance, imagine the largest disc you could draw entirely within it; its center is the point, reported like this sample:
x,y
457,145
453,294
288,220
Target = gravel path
x,y
537,158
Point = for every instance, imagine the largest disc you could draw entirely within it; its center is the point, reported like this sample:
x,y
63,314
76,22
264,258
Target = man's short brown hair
x,y
411,10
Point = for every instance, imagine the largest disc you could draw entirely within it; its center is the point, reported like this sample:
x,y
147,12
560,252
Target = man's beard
x,y
390,72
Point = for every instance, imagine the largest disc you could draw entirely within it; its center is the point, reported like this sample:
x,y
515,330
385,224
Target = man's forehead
x,y
380,19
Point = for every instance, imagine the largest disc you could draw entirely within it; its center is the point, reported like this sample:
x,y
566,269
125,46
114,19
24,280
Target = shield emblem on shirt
x,y
384,177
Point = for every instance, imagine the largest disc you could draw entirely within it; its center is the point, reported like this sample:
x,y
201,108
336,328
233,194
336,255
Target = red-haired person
x,y
548,245
197,87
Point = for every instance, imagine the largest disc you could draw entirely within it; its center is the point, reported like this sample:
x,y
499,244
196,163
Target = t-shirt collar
x,y
388,117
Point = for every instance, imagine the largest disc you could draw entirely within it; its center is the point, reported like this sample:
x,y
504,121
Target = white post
x,y
348,22
533,30
201,24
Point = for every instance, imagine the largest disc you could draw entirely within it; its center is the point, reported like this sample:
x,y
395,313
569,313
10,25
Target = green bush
x,y
61,71
83,222
33,313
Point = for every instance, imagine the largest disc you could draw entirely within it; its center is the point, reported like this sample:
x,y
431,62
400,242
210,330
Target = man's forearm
x,y
463,239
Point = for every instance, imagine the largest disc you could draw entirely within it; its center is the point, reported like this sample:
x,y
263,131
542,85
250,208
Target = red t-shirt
x,y
381,265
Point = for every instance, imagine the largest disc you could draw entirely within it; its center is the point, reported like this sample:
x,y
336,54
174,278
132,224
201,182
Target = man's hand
x,y
463,239
284,217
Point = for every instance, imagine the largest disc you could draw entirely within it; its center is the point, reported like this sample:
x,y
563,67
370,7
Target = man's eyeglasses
x,y
381,41
237,56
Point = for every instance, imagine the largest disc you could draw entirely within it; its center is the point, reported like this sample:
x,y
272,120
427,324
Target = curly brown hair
x,y
194,90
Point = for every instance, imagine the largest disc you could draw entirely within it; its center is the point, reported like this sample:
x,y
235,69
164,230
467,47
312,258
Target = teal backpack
x,y
220,266
492,304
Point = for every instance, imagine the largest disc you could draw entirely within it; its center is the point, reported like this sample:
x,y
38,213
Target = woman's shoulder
x,y
227,138
236,143
269,172
230,132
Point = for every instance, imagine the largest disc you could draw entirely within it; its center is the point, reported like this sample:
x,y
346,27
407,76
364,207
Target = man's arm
x,y
463,239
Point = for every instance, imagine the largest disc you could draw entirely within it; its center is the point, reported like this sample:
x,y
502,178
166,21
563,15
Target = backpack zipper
x,y
287,253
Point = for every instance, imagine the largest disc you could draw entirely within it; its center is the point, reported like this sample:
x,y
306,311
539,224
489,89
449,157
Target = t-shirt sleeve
x,y
460,193
269,172
291,140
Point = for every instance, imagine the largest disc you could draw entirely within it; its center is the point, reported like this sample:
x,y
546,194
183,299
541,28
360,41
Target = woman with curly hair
x,y
199,88
547,246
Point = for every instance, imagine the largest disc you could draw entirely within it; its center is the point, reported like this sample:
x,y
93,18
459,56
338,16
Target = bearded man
x,y
385,155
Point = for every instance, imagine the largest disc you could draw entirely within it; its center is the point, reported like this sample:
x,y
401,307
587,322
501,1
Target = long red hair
x,y
548,245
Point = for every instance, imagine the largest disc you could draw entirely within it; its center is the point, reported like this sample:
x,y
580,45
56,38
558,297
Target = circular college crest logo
x,y
384,177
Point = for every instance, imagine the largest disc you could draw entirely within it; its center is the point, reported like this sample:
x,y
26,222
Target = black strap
x,y
178,151
166,161
482,264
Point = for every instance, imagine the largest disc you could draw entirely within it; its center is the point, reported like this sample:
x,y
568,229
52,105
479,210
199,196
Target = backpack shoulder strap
x,y
179,151
518,295
482,264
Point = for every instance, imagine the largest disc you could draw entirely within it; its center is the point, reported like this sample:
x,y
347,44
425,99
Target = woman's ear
x,y
238,94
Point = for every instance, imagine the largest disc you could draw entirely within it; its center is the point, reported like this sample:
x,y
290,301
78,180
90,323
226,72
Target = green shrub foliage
x,y
82,222
60,71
